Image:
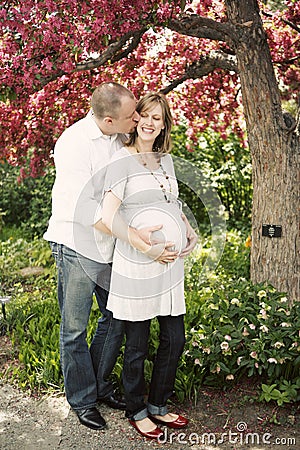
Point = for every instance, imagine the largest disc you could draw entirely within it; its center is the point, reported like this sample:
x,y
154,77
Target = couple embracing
x,y
117,232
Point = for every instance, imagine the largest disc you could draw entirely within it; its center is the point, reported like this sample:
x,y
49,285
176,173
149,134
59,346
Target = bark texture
x,y
274,145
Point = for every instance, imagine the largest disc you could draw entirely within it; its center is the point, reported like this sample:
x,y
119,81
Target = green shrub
x,y
17,253
243,329
15,196
226,165
233,328
25,204
35,333
281,392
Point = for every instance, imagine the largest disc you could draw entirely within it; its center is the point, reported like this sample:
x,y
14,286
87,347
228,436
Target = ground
x,y
219,420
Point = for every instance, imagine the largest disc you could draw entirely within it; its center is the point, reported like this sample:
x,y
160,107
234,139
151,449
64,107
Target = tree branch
x,y
201,27
287,22
198,69
286,61
115,51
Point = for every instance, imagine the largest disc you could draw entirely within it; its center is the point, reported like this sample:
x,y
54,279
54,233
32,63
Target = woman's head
x,y
151,102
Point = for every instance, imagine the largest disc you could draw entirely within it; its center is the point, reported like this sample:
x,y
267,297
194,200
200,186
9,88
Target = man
x,y
83,253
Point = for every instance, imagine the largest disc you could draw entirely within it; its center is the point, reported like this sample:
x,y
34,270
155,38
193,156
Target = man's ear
x,y
108,120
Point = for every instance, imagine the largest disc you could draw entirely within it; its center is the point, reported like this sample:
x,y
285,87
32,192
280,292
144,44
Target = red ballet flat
x,y
154,434
180,422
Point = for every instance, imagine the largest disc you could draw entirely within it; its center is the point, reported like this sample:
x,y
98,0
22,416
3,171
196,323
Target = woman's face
x,y
151,123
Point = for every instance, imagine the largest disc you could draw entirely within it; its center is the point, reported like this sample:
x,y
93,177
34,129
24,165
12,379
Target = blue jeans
x,y
171,344
86,371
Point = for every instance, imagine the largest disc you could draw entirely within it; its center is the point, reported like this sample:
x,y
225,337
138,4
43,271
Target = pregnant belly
x,y
173,228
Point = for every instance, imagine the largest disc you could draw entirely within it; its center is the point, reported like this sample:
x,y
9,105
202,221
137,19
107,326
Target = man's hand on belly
x,y
145,233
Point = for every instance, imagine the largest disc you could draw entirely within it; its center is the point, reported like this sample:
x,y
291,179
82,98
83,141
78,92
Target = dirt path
x,y
47,423
230,420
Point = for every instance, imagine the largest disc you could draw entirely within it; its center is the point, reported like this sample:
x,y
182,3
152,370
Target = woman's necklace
x,y
155,177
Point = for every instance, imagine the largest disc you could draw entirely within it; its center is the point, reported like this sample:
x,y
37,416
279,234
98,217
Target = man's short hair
x,y
106,99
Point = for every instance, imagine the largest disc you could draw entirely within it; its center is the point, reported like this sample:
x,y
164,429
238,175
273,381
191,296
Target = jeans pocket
x,y
70,253
55,249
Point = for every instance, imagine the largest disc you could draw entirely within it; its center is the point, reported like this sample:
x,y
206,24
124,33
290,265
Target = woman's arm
x,y
101,227
113,222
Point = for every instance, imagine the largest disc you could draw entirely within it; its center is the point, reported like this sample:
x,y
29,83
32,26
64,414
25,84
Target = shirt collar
x,y
94,130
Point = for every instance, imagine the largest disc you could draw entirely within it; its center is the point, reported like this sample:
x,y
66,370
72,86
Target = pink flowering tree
x,y
228,65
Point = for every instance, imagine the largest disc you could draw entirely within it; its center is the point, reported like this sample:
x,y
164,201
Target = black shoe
x,y
113,402
91,418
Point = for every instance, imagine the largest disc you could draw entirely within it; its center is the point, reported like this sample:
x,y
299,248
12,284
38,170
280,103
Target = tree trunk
x,y
274,148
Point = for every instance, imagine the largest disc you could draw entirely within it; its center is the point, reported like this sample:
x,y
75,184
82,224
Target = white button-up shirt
x,y
81,155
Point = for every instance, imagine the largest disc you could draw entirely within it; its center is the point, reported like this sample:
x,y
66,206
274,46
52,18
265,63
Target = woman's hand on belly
x,y
172,228
162,252
191,238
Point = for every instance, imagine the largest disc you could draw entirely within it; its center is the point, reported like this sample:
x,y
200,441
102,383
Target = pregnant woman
x,y
141,190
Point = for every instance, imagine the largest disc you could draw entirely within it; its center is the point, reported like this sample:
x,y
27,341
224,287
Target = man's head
x,y
114,106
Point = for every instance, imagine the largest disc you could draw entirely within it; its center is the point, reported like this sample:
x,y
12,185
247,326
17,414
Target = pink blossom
x,y
263,313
